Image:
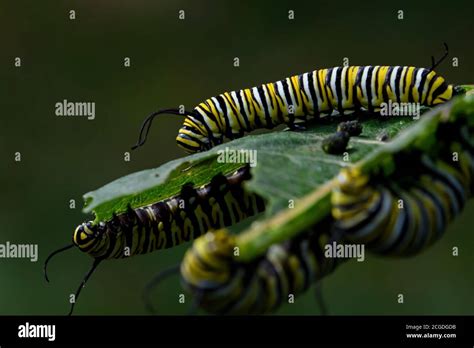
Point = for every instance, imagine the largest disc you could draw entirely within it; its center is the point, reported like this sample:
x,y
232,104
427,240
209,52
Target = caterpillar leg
x,y
297,126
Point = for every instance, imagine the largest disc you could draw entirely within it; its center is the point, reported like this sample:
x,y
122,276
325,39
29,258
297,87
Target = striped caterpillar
x,y
404,216
164,224
224,286
289,101
365,210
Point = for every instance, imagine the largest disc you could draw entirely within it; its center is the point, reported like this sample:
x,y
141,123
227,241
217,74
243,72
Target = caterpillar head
x,y
351,180
193,136
438,91
191,139
207,266
442,93
209,272
434,90
87,236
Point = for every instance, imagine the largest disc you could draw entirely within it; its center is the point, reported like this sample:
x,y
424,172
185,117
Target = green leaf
x,y
289,165
152,185
313,207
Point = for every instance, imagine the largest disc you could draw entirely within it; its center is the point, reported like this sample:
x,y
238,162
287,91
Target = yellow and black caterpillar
x,y
400,215
404,216
224,286
222,202
165,224
289,101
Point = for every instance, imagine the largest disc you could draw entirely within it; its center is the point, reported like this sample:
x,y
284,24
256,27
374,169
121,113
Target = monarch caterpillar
x,y
225,286
289,101
404,216
167,223
363,211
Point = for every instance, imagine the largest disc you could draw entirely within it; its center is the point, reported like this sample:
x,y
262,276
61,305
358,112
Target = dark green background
x,y
183,62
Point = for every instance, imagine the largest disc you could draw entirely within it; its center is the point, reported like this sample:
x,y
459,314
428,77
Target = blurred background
x,y
177,62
